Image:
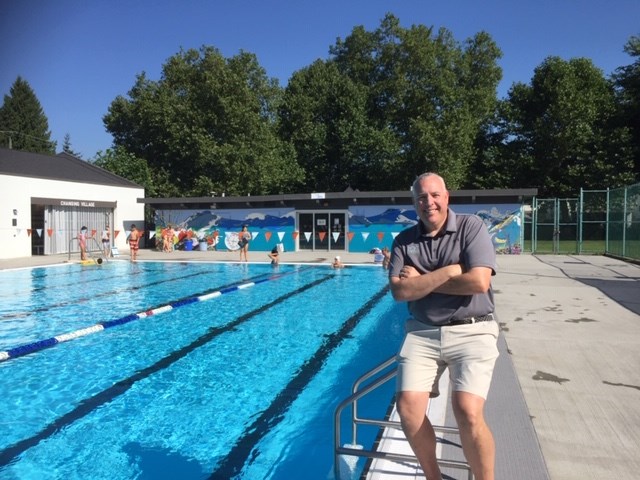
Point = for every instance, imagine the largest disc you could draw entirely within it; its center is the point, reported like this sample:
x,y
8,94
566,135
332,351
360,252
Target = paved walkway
x,y
572,329
572,325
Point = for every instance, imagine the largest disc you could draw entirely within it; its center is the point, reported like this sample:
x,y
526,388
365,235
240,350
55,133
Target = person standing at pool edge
x,y
134,243
442,267
244,237
106,240
82,241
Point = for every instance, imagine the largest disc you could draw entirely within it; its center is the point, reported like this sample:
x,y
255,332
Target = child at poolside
x,y
82,241
134,241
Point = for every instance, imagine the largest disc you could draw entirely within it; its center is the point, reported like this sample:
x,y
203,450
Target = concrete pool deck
x,y
571,330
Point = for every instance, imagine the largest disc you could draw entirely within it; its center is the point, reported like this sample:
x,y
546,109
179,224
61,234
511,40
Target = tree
x,y
324,116
627,82
23,124
66,146
562,130
431,93
126,165
210,124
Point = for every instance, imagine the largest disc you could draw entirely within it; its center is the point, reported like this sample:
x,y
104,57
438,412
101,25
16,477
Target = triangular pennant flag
x,y
50,231
152,234
350,235
28,232
254,235
380,236
39,231
267,235
394,234
295,235
115,234
307,235
281,235
321,235
365,235
335,235
93,233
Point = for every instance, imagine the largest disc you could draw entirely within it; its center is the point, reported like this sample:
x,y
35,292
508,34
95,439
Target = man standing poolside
x,y
442,267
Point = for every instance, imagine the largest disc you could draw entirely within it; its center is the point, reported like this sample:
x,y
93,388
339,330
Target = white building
x,y
46,199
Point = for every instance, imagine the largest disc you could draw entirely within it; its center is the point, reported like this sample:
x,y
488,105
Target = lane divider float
x,y
28,348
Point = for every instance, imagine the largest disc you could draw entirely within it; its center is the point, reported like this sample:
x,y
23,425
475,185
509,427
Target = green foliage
x,y
127,165
23,124
387,105
66,147
563,129
209,123
324,117
427,95
627,82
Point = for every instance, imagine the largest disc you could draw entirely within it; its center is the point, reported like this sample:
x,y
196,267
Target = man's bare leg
x,y
477,440
412,408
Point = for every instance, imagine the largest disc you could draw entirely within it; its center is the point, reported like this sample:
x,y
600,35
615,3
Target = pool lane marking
x,y
243,450
36,346
103,294
88,405
49,276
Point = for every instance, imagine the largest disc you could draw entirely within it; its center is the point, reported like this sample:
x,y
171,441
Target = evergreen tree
x,y
66,146
23,124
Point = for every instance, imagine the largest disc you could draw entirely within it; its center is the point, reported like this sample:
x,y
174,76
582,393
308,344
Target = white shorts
x,y
469,351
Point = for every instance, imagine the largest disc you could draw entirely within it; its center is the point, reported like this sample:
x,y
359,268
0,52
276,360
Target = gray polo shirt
x,y
465,240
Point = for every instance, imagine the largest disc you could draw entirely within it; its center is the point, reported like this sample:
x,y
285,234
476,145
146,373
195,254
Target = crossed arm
x,y
451,279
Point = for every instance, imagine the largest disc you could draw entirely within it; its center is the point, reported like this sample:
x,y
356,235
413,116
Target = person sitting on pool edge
x,y
337,263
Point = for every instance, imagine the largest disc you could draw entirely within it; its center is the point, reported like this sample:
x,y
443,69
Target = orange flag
x,y
267,235
28,232
322,235
115,234
295,235
350,235
50,231
380,236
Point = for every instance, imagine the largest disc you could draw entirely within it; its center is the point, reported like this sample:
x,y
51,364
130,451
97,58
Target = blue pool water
x,y
239,385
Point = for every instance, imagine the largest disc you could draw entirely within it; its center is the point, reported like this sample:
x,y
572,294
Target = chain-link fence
x,y
623,222
598,222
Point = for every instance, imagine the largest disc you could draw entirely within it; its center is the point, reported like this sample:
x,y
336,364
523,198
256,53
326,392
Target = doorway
x,y
324,231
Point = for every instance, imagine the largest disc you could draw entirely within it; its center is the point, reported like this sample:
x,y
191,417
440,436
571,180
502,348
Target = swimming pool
x,y
205,370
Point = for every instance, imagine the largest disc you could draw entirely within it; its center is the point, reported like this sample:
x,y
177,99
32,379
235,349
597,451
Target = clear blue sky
x,y
78,55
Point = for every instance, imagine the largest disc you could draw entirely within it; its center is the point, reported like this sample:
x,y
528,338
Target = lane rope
x,y
39,345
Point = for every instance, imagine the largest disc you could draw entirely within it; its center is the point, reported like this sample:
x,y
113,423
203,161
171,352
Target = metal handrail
x,y
357,394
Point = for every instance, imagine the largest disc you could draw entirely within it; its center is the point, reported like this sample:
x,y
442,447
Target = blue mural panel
x,y
268,227
377,226
369,227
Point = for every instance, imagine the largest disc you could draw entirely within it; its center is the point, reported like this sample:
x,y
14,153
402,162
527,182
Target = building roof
x,y
63,166
319,200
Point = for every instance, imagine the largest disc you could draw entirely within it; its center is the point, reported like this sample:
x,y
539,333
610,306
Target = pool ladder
x,y
384,373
